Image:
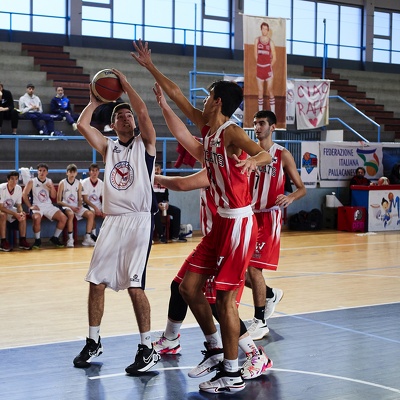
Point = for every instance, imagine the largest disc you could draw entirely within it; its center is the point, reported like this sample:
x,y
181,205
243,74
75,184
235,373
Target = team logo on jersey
x,y
215,142
71,199
43,196
9,203
116,149
121,176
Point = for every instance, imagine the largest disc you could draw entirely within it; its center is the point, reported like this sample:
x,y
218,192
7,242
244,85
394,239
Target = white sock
x,y
231,365
94,333
70,235
93,231
214,341
57,232
145,338
37,235
247,345
172,329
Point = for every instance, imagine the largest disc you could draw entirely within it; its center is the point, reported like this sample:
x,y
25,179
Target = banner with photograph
x,y
340,160
309,164
312,103
265,67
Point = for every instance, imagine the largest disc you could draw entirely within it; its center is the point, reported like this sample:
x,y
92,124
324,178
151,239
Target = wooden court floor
x,y
335,335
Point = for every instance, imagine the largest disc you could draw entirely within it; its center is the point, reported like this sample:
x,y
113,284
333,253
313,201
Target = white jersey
x,y
70,194
40,192
93,191
128,178
10,199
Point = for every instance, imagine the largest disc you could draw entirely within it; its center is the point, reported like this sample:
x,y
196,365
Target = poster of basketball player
x,y
264,67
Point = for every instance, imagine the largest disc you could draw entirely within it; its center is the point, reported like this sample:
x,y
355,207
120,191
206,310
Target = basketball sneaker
x,y
272,303
37,243
88,241
167,346
145,359
5,246
212,357
93,237
56,241
23,244
90,351
70,242
258,329
256,364
224,382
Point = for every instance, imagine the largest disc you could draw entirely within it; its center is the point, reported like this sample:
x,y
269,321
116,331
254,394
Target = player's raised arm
x,y
177,127
143,57
139,107
94,137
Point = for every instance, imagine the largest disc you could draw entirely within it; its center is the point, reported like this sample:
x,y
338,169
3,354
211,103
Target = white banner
x,y
290,102
312,103
339,161
309,164
383,212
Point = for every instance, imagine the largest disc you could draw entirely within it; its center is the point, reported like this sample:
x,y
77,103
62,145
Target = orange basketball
x,y
106,86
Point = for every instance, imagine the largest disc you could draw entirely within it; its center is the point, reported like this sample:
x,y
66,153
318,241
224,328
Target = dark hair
x,y
12,173
118,107
264,24
72,167
269,115
362,169
230,93
42,165
93,166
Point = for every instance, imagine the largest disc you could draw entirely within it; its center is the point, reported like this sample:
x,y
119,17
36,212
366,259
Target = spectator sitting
x,y
69,196
359,178
394,176
7,110
162,196
60,108
92,194
11,211
31,108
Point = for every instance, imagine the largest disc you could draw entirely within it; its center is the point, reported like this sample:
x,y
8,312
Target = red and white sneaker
x,y
167,346
5,246
256,364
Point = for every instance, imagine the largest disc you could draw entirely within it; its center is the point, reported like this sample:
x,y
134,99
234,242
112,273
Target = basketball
x,y
106,86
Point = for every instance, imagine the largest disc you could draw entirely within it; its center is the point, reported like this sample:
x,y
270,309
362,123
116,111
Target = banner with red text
x,y
312,103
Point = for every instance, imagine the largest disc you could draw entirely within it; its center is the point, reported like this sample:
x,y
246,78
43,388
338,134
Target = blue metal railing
x,y
94,155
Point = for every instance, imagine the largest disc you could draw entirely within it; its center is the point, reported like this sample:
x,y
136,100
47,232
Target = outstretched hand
x,y
161,100
143,56
247,166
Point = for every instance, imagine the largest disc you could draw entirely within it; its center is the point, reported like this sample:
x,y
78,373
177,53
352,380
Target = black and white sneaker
x,y
145,359
93,237
90,351
211,360
37,244
224,382
56,241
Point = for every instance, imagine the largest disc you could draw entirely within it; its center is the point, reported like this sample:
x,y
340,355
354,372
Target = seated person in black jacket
x,y
359,178
165,208
7,110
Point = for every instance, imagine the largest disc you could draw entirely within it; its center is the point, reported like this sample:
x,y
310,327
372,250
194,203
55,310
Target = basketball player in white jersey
x,y
265,56
92,194
43,191
120,256
69,196
11,211
226,250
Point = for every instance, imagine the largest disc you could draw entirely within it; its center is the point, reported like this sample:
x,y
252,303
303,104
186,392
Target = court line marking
x,y
319,374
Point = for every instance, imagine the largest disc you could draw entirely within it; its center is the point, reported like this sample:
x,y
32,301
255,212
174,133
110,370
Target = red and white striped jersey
x,y
269,181
228,186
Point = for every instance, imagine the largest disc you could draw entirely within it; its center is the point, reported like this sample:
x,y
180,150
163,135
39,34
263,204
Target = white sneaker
x,y
272,303
70,242
88,242
74,126
258,329
211,360
167,346
256,364
230,382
